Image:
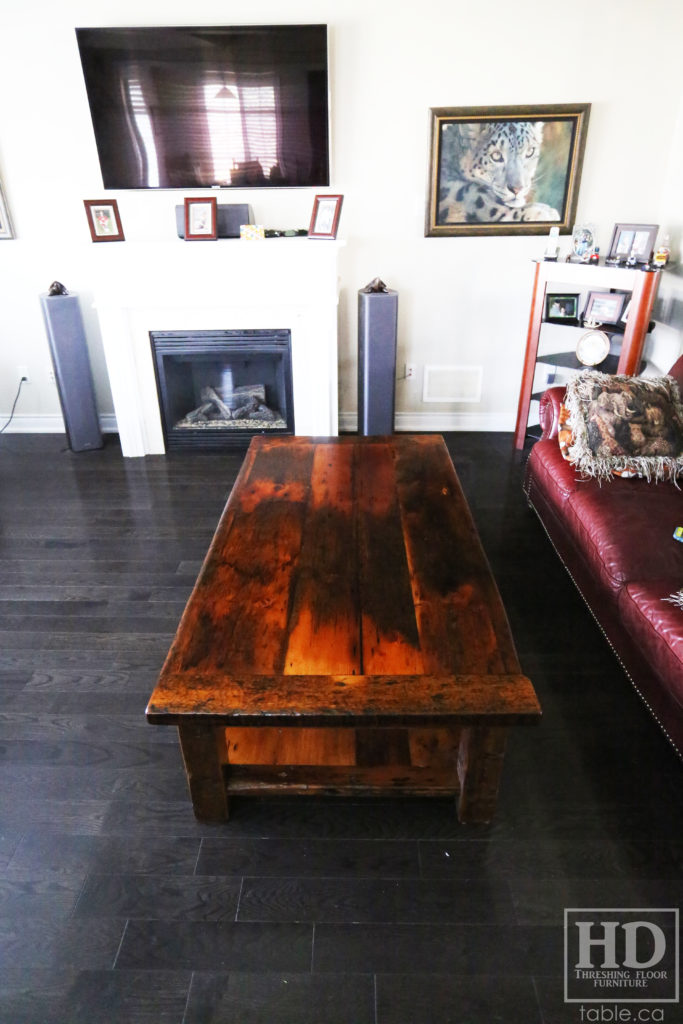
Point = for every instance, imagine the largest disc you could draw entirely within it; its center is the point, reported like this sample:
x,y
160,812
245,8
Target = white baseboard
x,y
404,422
51,423
437,422
108,423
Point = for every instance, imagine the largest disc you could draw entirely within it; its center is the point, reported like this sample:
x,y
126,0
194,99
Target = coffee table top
x,y
346,582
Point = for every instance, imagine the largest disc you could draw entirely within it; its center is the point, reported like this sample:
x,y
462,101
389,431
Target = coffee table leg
x,y
203,748
480,763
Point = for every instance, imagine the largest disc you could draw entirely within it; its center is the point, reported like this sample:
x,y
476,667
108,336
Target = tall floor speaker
x,y
377,323
69,353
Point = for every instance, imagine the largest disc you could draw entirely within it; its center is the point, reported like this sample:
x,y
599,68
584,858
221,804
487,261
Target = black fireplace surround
x,y
217,389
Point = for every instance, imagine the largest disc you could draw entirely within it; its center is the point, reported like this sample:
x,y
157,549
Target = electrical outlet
x,y
410,370
23,374
50,370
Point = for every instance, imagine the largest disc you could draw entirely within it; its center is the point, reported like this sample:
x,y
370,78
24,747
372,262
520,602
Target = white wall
x,y
462,300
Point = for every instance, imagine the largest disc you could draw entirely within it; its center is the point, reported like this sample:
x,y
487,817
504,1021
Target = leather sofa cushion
x,y
625,527
656,626
556,478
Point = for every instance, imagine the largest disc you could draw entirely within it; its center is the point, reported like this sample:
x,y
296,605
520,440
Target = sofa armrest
x,y
676,372
549,411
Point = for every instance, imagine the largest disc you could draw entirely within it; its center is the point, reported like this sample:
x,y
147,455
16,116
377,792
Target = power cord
x,y
14,405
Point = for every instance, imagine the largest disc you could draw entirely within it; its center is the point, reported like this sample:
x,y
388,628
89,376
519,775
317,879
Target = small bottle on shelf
x,y
662,253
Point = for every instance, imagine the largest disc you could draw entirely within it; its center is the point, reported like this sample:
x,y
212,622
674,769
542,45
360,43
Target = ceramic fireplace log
x,y
210,397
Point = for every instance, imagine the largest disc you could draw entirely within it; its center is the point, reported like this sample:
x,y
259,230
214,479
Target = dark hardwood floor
x,y
117,907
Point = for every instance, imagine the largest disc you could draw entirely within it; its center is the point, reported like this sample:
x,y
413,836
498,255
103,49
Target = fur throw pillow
x,y
625,425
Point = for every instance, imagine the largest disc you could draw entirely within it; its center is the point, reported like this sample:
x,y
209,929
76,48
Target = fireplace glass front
x,y
217,389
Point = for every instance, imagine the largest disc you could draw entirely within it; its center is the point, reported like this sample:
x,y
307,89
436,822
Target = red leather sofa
x,y
616,541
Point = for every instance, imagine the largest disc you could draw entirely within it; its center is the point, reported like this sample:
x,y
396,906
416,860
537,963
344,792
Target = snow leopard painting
x,y
505,174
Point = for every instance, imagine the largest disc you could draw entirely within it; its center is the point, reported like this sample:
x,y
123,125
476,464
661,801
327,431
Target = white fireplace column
x,y
276,284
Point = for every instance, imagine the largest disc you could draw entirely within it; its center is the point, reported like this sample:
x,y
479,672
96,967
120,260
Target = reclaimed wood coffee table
x,y
345,634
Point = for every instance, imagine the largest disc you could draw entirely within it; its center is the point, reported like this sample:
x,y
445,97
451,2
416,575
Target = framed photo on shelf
x,y
505,170
562,308
104,220
325,216
605,307
632,243
201,219
5,222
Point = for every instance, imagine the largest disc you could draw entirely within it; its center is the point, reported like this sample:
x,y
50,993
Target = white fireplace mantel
x,y
282,284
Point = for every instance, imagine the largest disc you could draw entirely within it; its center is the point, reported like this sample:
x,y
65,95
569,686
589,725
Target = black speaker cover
x,y
377,323
69,352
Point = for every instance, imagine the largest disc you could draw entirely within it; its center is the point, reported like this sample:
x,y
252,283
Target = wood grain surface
x,y
345,587
339,558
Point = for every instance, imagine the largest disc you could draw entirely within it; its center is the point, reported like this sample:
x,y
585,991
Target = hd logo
x,y
621,955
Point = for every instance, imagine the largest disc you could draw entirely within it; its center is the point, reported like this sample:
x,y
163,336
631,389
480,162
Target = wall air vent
x,y
452,383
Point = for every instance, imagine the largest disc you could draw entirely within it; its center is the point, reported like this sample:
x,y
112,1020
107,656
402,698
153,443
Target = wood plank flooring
x,y
117,906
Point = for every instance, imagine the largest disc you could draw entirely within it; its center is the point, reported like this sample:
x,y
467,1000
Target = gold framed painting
x,y
505,170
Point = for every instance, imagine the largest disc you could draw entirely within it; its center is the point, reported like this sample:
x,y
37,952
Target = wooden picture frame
x,y
505,170
201,219
104,220
325,216
562,307
605,307
632,244
6,229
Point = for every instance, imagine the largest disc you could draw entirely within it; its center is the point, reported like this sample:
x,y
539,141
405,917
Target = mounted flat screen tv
x,y
234,107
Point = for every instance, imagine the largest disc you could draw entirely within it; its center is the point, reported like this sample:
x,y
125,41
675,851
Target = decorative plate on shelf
x,y
592,347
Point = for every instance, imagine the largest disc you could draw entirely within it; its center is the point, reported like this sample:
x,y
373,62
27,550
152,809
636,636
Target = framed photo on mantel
x,y
325,217
201,219
103,220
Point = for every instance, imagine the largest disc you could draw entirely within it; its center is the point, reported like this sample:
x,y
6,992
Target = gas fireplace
x,y
229,290
217,389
